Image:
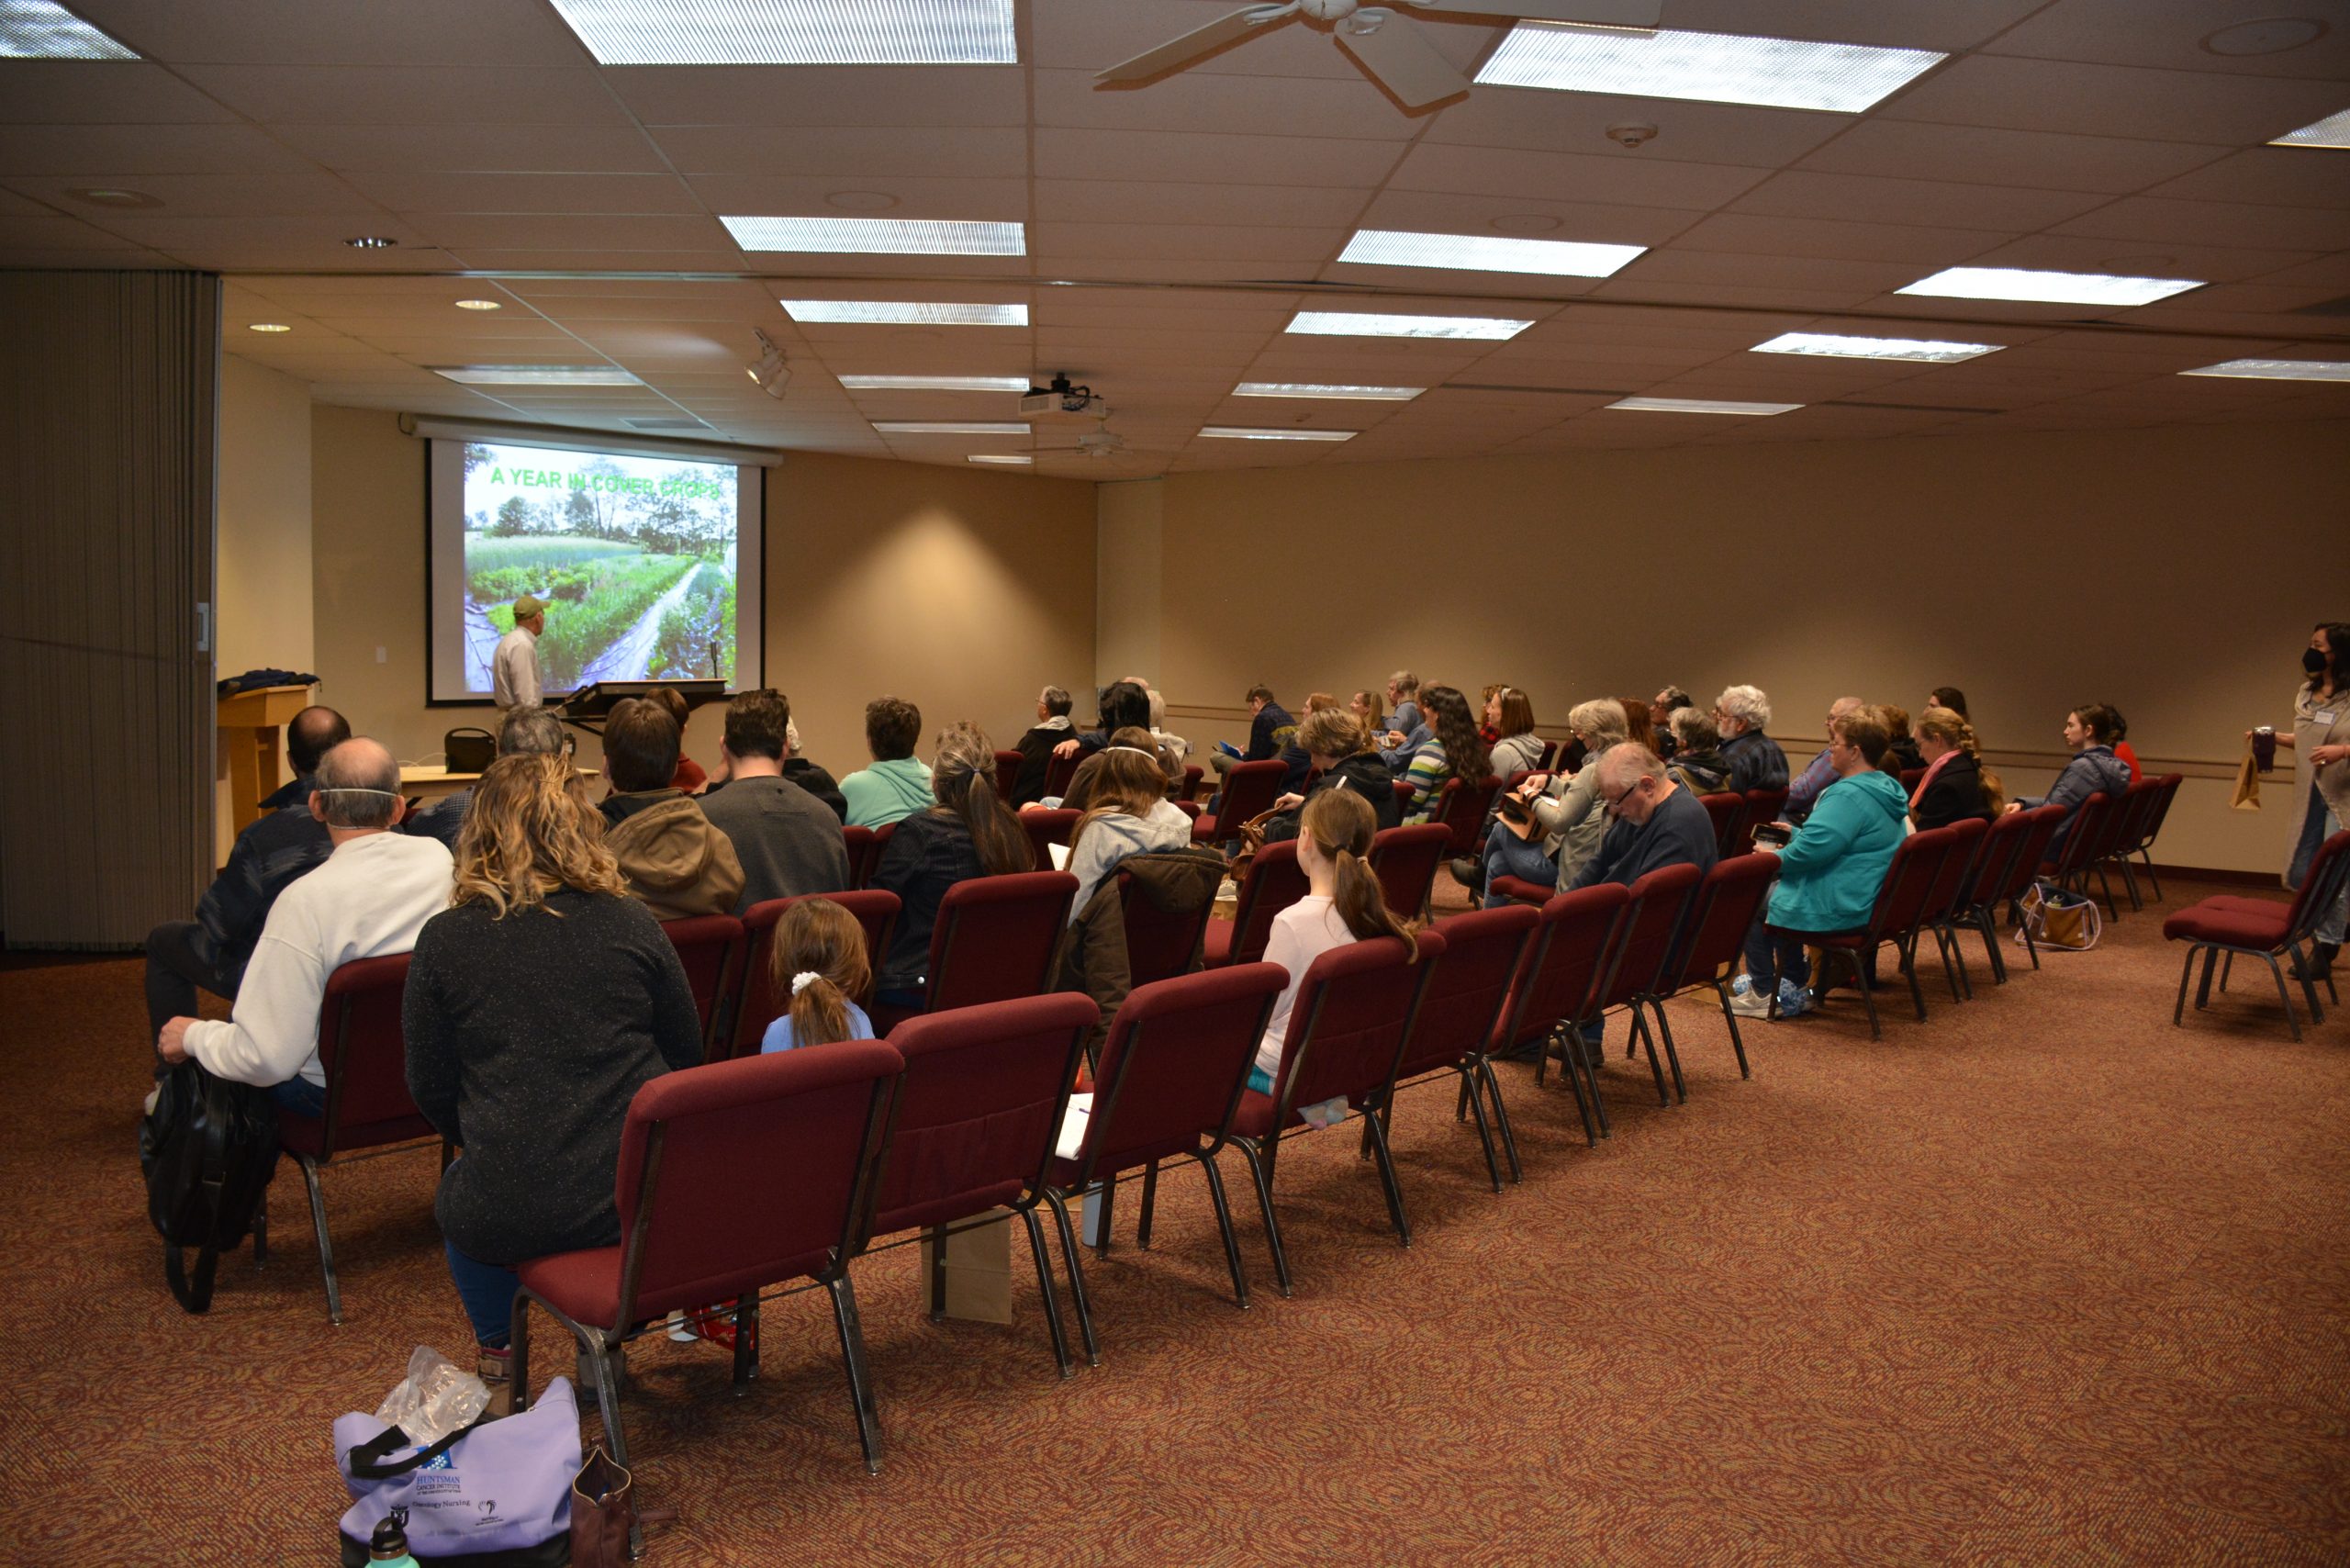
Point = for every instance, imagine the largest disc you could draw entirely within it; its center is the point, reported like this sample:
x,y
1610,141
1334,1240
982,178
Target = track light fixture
x,y
770,371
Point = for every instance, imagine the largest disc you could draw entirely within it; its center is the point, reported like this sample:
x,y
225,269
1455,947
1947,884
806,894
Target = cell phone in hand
x,y
1775,835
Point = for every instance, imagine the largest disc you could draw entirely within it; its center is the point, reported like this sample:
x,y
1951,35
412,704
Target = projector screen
x,y
649,564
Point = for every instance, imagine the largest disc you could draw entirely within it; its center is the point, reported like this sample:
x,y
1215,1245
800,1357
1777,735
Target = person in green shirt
x,y
898,784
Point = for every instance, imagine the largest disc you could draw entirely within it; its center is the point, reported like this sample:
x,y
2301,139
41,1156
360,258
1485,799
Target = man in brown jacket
x,y
675,862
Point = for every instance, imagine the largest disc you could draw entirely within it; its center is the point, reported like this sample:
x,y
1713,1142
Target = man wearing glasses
x,y
1741,715
1656,823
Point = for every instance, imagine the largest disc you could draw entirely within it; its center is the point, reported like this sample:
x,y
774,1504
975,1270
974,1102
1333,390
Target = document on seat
x,y
1073,1126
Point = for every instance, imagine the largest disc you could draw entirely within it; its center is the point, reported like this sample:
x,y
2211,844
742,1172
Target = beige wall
x,y
263,595
1128,582
2174,573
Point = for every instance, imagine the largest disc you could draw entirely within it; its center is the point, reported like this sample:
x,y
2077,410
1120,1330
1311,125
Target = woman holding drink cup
x,y
2321,735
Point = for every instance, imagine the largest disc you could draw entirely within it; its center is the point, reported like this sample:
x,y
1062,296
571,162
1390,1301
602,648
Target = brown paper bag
x,y
976,1285
2247,791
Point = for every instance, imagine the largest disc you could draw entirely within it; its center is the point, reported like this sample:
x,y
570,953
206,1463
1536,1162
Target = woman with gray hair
x,y
1742,713
1556,824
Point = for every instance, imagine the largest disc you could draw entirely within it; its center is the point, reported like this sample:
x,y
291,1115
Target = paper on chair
x,y
1073,1126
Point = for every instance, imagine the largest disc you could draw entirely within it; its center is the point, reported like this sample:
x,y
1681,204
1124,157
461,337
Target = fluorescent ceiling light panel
x,y
1250,432
793,32
1721,68
37,29
1365,324
2278,369
2334,130
2051,288
1317,390
537,375
1699,406
950,426
1012,462
1925,351
935,383
879,236
1487,253
905,313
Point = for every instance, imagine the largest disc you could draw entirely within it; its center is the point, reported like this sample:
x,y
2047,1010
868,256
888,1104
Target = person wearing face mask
x,y
2320,738
2089,731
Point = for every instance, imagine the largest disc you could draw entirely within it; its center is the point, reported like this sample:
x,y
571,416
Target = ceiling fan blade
x,y
1596,12
1406,63
1198,41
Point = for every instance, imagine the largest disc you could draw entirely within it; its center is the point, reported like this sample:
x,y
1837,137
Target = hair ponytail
x,y
1341,823
823,940
1953,728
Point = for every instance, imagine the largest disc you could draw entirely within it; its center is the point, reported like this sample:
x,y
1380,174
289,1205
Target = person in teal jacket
x,y
898,784
1829,873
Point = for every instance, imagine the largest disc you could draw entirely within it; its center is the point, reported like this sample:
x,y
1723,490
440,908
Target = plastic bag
x,y
436,1398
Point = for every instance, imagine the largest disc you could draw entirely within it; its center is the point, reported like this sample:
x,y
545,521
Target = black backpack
x,y
209,1149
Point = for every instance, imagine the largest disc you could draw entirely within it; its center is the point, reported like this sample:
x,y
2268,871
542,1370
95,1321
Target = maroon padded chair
x,y
755,1004
2095,824
2139,802
2165,791
2266,929
1007,773
2011,861
1250,790
1172,1070
1761,806
1894,918
1405,860
1461,1014
367,1104
1349,1025
1160,944
1559,989
1462,810
1721,911
1274,881
711,946
1646,955
1191,809
732,1177
1952,882
864,855
1058,774
995,939
979,1110
1728,810
1550,755
1048,826
1403,793
1911,779
1193,774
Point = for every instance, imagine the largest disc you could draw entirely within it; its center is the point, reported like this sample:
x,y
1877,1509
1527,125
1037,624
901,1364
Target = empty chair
x,y
1172,1070
1894,918
1644,959
2139,802
1193,774
1462,1012
787,1150
2266,929
1047,826
864,853
1250,790
2010,860
368,1105
1274,881
979,1113
1161,943
1007,773
2092,833
708,946
1722,910
1405,860
1550,755
1729,810
756,1004
1559,989
995,939
2165,791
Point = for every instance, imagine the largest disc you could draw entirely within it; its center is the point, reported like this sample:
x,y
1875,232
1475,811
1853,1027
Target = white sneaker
x,y
1747,1005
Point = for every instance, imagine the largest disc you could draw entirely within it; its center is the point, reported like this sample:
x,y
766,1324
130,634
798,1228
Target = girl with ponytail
x,y
1343,905
1957,786
819,961
970,833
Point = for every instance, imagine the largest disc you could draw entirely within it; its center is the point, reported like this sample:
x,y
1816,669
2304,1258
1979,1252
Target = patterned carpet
x,y
2041,1281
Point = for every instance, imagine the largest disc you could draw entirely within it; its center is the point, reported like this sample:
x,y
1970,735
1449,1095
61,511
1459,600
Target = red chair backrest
x,y
1250,790
1550,755
865,848
2038,827
1177,1058
1910,880
2167,790
1189,807
1058,774
2320,886
1462,811
1956,874
980,1107
996,937
1160,944
1047,826
1405,860
1911,778
1007,773
1403,793
1571,955
1728,808
1723,912
1646,947
2139,803
1193,774
1274,881
1353,1014
2091,830
765,1172
365,1057
756,1004
1761,806
1483,952
708,944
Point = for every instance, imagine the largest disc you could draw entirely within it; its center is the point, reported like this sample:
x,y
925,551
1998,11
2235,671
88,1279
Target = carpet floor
x,y
2043,1280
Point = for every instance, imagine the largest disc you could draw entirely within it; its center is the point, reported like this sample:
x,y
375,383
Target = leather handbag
x,y
468,750
603,1512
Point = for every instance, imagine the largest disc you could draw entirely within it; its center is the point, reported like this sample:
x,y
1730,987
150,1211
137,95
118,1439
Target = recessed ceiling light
x,y
537,375
101,196
1926,350
793,32
997,457
267,327
2278,369
1316,389
1367,324
1251,433
1723,67
905,312
880,235
2334,130
2052,288
935,383
36,30
2272,35
1699,406
950,426
371,242
479,305
1483,253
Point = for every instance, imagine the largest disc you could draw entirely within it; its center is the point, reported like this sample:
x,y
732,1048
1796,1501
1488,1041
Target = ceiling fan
x,y
1383,39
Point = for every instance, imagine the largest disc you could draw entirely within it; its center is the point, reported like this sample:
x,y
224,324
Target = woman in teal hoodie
x,y
1831,872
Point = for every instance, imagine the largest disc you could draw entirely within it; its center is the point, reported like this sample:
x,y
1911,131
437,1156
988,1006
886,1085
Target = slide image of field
x,y
635,556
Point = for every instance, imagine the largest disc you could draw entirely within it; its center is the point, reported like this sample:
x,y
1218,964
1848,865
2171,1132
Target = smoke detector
x,y
1631,135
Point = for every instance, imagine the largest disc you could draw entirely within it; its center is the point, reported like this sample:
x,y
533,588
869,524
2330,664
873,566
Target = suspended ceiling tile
x,y
1556,176
136,152
2107,100
2074,252
1257,106
601,194
494,260
101,92
1731,293
581,231
1791,272
2216,223
845,155
1928,248
1209,203
409,94
1193,156
280,194
2281,177
2171,36
1450,212
1538,121
896,96
802,195
1801,193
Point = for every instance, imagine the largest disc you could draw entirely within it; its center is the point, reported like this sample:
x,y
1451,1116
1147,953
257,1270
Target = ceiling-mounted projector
x,y
1057,396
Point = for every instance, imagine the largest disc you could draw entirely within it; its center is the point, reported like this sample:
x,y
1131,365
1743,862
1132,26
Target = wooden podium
x,y
251,723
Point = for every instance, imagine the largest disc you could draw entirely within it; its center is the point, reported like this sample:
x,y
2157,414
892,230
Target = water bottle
x,y
390,1543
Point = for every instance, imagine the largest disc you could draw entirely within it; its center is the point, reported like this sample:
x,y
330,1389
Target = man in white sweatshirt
x,y
370,898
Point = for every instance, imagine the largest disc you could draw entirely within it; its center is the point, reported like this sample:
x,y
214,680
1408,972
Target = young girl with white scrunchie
x,y
820,962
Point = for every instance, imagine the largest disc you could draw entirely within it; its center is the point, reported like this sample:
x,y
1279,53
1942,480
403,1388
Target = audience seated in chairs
x,y
819,961
1804,787
688,775
372,895
1829,873
210,952
1561,827
1452,751
670,855
526,732
534,1081
967,832
1696,759
1403,714
788,843
1126,813
2088,730
1657,821
1173,744
1956,788
811,778
1949,696
1126,704
1661,708
897,785
1741,714
1336,741
1270,730
1037,743
1509,713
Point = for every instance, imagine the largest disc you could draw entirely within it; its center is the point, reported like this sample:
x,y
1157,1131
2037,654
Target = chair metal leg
x,y
1950,973
860,1380
2155,881
746,1343
326,1247
2130,883
1501,1118
1460,1102
1909,970
1868,995
1044,1289
1721,994
2185,971
937,1273
1485,1133
1663,1031
2203,986
1149,1199
1223,1228
1989,928
2113,910
261,1229
2227,967
1102,1229
2309,981
1069,1252
1387,1181
2284,994
1589,1067
518,1345
1639,1036
1263,1178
